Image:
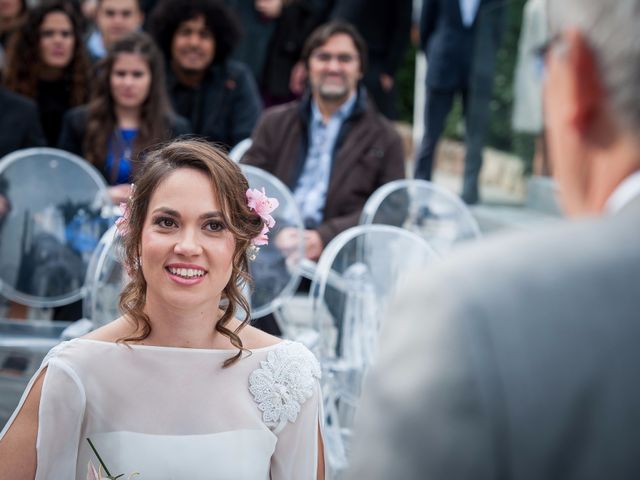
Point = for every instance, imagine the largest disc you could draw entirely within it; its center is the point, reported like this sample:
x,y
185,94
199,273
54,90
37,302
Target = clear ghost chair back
x,y
104,281
431,211
53,219
357,274
237,152
275,271
53,209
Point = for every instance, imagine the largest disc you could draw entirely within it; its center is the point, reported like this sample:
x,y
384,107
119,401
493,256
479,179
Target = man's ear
x,y
585,83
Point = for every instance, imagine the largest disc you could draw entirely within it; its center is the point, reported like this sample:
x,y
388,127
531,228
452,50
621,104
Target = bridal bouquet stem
x,y
93,474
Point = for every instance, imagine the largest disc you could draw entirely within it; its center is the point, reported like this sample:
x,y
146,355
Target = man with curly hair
x,y
219,96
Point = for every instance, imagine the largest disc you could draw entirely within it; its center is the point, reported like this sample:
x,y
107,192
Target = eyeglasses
x,y
540,54
342,58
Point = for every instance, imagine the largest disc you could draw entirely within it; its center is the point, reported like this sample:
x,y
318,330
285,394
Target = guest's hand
x,y
298,78
269,8
312,244
4,206
386,81
288,241
119,193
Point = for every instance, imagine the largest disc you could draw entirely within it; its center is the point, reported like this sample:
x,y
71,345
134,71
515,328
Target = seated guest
x,y
519,359
46,61
19,123
219,96
129,111
114,19
332,148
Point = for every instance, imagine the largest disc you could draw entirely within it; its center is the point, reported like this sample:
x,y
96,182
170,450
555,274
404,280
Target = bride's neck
x,y
175,327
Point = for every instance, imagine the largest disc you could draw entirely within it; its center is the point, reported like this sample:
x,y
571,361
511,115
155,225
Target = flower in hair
x,y
263,206
122,223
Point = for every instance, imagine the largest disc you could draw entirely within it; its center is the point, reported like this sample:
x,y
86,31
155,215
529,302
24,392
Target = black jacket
x,y
19,123
224,108
74,127
384,25
450,46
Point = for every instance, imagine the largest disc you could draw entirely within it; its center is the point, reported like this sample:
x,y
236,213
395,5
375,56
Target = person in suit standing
x,y
518,358
460,39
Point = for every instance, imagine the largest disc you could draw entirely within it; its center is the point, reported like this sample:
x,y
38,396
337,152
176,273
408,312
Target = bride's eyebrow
x,y
176,214
166,211
208,215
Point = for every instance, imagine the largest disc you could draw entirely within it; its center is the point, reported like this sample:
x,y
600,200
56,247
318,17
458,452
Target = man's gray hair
x,y
611,29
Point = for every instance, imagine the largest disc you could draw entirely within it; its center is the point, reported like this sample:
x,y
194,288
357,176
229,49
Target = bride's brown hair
x,y
229,186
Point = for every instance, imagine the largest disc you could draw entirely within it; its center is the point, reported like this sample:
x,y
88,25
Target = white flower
x,y
284,381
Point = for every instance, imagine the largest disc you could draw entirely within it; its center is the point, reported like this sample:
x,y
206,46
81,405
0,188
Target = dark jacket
x,y
224,108
74,127
295,24
19,123
368,154
385,27
450,46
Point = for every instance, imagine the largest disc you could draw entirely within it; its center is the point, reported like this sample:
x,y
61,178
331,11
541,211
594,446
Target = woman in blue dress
x,y
128,112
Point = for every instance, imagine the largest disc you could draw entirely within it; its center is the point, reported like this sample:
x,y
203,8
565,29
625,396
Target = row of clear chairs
x,y
62,199
55,209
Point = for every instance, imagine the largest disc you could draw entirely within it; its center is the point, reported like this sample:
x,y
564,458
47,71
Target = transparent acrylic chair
x,y
104,280
357,274
433,212
275,273
55,209
237,152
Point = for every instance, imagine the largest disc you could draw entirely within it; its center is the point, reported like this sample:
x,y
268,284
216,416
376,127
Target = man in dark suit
x,y
459,38
332,148
518,358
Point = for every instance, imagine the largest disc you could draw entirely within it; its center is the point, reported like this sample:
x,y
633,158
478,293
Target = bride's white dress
x,y
175,413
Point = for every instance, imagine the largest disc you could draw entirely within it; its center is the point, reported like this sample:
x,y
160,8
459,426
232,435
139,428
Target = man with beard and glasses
x,y
219,96
332,148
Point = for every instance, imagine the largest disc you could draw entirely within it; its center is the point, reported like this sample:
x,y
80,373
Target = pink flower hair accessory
x,y
263,206
123,222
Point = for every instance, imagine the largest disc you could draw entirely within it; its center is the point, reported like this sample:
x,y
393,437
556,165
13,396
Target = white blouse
x,y
175,413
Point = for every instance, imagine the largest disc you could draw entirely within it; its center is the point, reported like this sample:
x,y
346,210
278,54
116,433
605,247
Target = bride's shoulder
x,y
111,332
254,338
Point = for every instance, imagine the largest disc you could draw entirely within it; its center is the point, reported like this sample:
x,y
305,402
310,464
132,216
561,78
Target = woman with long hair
x,y
46,61
129,110
178,386
11,14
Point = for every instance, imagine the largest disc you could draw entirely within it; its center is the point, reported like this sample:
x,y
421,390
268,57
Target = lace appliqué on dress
x,y
284,381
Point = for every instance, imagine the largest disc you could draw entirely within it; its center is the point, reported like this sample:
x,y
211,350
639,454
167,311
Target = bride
x,y
176,387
